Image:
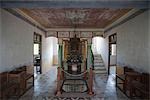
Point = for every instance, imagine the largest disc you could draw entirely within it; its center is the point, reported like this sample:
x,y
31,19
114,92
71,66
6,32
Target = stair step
x,y
96,64
98,61
97,55
99,68
100,71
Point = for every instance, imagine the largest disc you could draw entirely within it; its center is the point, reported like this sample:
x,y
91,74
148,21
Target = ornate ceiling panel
x,y
75,17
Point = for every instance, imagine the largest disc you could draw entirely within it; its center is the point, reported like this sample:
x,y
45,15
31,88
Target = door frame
x,y
35,41
112,39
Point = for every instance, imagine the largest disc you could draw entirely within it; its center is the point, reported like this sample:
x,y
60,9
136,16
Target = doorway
x,y
112,59
37,44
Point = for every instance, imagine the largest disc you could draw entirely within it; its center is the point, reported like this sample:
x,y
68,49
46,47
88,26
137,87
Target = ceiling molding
x,y
75,4
122,18
131,14
26,18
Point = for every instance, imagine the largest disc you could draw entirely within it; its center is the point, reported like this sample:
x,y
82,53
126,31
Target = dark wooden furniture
x,y
121,77
22,80
5,86
141,88
17,78
130,76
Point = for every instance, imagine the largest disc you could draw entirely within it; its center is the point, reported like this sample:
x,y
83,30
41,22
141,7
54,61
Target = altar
x,y
74,58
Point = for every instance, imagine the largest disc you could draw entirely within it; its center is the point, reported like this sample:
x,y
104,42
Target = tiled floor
x,y
45,86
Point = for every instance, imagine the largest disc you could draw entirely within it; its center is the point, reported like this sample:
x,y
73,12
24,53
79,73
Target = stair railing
x,y
91,82
58,92
92,58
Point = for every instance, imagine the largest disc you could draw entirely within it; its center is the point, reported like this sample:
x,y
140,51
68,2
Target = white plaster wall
x,y
17,46
132,43
55,51
47,57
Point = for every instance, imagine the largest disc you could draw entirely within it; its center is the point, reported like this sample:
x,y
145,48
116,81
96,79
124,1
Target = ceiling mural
x,y
75,17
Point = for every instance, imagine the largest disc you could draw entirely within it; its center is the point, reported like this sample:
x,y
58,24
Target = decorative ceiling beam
x,y
70,34
76,4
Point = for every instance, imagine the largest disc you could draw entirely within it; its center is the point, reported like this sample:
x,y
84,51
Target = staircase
x,y
99,65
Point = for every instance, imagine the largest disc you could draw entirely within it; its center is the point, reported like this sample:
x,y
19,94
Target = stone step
x,y
96,64
100,71
98,61
98,55
99,68
97,58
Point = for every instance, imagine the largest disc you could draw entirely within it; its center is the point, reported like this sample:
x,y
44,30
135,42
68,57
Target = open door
x,y
112,59
37,50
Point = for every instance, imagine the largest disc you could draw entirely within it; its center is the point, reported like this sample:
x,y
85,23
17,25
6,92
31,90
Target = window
x,y
113,49
36,49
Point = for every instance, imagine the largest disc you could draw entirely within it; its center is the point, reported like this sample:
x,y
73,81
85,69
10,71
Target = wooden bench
x,y
130,76
22,79
121,77
141,87
5,86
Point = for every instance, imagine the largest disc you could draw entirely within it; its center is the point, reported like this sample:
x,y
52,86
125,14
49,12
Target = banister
x,y
58,92
91,82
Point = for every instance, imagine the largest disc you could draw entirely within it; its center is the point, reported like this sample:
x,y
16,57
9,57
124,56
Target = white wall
x,y
17,46
55,51
132,43
48,53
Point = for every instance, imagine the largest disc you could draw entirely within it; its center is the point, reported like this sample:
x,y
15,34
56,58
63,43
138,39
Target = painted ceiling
x,y
75,17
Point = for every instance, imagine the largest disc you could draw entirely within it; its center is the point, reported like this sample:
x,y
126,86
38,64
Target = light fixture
x,y
76,17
